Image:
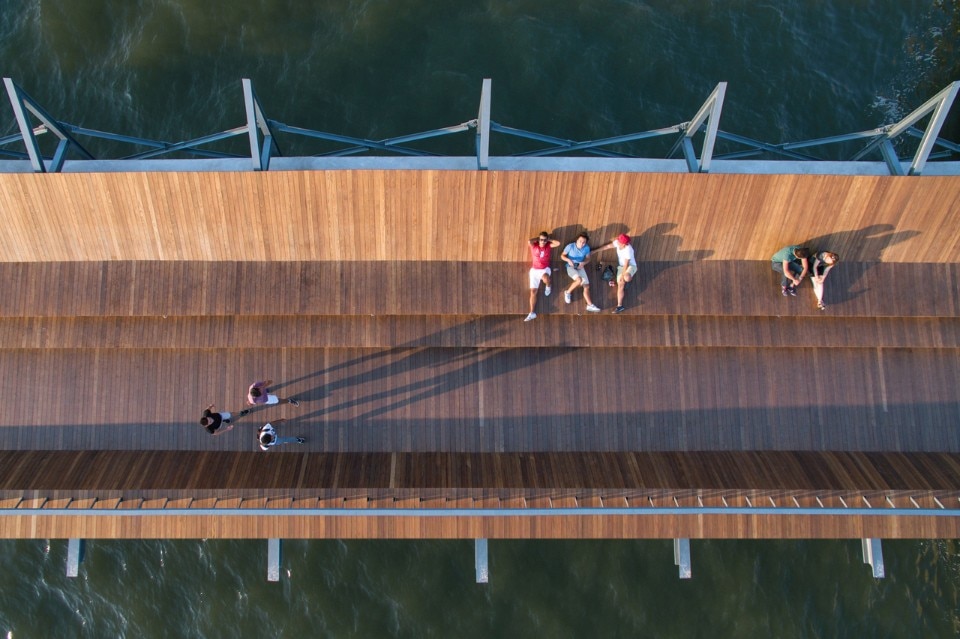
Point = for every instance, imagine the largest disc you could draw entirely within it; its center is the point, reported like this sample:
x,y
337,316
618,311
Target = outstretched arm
x,y
221,431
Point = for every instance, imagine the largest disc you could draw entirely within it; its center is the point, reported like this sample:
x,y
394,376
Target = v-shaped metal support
x,y
23,103
258,123
709,113
939,105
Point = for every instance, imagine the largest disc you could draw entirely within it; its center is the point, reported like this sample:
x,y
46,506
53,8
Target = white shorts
x,y
574,273
536,274
631,271
272,399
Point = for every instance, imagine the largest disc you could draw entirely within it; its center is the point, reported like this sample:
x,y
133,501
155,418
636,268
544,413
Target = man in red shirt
x,y
540,248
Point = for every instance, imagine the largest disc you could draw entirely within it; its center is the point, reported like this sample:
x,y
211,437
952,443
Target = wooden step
x,y
504,331
662,479
159,289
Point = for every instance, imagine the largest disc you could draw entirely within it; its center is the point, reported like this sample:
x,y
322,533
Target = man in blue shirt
x,y
576,254
792,264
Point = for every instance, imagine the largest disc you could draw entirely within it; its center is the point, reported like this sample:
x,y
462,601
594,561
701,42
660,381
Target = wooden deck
x,y
390,304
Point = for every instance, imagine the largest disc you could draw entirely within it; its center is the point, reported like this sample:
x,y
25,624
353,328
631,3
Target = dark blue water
x,y
171,69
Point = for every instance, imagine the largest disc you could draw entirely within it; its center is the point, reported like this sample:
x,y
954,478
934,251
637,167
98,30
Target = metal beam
x,y
256,123
873,555
75,551
21,103
709,112
483,127
939,105
681,557
480,557
273,559
26,131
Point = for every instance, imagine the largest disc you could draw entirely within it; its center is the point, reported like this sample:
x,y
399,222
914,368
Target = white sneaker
x,y
531,316
592,308
547,291
566,297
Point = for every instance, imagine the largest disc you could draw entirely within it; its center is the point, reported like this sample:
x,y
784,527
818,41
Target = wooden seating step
x,y
674,477
459,331
725,288
488,399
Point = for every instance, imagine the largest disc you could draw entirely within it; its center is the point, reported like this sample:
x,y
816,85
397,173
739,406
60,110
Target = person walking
x,y
217,423
823,263
626,266
259,395
792,264
576,254
540,249
267,436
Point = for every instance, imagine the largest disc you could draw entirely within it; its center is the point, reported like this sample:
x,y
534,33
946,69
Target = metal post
x,y
939,105
21,103
681,557
273,560
873,555
257,122
480,560
483,127
709,112
75,548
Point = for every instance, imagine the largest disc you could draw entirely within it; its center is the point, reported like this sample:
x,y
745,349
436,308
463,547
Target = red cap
x,y
624,239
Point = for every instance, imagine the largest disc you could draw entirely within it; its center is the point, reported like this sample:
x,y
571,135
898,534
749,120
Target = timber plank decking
x,y
490,399
252,476
469,216
134,289
464,331
390,303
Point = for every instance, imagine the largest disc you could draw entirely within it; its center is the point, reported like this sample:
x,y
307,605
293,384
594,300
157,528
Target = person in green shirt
x,y
792,262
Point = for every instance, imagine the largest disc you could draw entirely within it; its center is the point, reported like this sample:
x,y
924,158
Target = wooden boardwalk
x,y
390,305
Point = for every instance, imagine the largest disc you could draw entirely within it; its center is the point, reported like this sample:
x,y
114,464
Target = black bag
x,y
608,274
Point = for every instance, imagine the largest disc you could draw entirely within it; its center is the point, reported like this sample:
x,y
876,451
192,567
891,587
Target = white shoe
x,y
531,316
547,291
593,309
567,297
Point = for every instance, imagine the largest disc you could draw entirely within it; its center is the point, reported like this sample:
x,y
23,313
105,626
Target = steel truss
x,y
262,133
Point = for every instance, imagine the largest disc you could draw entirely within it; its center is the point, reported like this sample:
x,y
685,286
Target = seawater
x,y
171,70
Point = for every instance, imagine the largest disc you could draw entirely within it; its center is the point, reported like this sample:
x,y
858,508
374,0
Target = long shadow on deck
x,y
864,246
915,427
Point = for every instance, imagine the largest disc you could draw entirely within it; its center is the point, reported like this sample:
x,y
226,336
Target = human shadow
x,y
658,250
470,367
859,251
567,234
480,331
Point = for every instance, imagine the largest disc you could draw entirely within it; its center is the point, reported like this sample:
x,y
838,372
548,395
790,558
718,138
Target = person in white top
x,y
267,436
626,266
823,263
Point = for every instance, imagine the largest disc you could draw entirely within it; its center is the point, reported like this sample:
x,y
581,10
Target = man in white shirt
x,y
626,266
267,436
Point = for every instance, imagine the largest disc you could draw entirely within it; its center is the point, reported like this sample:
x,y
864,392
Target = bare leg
x,y
818,292
586,296
533,299
621,288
